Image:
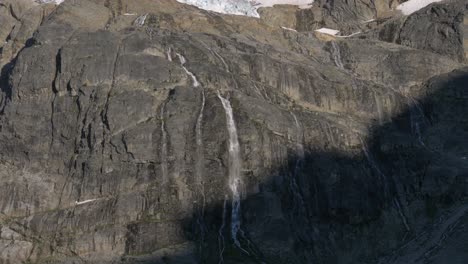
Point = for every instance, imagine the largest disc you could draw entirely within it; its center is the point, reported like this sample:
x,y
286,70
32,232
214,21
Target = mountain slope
x,y
157,132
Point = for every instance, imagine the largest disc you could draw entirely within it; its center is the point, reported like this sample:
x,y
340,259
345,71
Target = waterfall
x,y
417,118
379,108
234,169
199,143
299,140
216,54
336,53
140,21
220,232
374,165
400,212
182,63
199,167
396,201
163,145
299,161
169,54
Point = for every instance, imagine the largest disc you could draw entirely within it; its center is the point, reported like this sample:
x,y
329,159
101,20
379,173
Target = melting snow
x,y
412,6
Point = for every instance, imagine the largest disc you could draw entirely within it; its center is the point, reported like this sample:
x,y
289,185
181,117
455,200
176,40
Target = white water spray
x,y
182,63
234,169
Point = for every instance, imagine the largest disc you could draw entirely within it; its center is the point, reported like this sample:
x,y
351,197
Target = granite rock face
x,y
117,142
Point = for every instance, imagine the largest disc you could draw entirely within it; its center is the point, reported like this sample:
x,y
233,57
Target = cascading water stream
x,y
163,145
199,143
417,118
396,201
299,161
299,140
169,54
400,212
182,63
140,21
220,232
379,109
336,53
235,180
200,167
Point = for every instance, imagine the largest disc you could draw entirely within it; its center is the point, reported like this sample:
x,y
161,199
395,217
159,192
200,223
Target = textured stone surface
x,y
436,28
351,148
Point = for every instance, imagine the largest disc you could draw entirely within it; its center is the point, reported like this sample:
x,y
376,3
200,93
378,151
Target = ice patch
x,y
412,6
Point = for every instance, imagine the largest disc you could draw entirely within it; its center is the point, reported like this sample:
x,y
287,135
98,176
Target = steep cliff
x,y
156,132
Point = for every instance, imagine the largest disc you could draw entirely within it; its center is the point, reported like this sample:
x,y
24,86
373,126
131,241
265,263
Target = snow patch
x,y
412,6
242,7
328,31
299,3
85,201
348,36
290,29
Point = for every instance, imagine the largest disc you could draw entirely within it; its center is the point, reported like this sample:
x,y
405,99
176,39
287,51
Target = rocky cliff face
x,y
155,132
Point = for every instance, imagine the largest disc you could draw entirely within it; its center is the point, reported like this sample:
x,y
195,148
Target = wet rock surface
x,y
116,142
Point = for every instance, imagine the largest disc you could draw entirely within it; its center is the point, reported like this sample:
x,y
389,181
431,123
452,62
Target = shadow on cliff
x,y
316,207
5,72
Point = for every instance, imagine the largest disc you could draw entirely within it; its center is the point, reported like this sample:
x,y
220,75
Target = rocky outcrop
x,y
117,144
437,28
